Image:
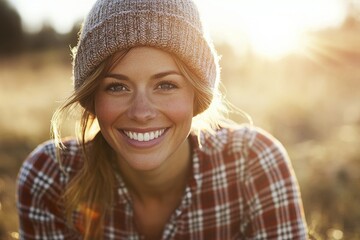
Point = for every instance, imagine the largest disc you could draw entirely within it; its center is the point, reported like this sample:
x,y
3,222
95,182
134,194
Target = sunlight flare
x,y
271,28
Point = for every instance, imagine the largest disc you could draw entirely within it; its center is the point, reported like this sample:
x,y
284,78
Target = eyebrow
x,y
155,76
164,74
116,76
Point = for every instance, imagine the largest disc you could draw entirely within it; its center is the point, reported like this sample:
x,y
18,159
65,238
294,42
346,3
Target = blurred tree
x,y
11,34
45,39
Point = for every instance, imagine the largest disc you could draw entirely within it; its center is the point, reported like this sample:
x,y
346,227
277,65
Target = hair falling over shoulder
x,y
85,193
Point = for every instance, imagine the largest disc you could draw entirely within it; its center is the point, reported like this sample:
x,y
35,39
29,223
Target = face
x,y
144,107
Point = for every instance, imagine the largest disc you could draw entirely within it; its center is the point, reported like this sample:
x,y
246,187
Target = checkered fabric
x,y
242,187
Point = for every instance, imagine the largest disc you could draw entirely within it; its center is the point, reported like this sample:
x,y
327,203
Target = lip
x,y
144,138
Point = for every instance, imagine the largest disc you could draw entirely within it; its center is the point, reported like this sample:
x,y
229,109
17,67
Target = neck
x,y
168,180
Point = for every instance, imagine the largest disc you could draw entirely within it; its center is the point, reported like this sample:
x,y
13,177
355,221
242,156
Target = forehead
x,y
143,59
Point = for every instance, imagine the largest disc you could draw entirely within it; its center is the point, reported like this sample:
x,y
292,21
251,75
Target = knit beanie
x,y
171,25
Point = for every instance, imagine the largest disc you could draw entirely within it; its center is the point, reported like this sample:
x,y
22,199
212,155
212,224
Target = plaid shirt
x,y
242,187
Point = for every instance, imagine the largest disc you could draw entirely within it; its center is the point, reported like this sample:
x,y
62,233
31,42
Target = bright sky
x,y
271,27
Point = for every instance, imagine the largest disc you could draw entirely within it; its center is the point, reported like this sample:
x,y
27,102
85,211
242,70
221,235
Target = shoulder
x,y
42,169
253,166
262,153
41,183
253,150
240,138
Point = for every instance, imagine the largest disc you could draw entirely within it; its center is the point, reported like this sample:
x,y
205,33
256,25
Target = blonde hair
x,y
85,192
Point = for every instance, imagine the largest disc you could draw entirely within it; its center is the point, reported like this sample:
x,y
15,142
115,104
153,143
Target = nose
x,y
141,108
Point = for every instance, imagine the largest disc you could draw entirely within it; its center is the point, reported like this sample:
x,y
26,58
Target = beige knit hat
x,y
170,25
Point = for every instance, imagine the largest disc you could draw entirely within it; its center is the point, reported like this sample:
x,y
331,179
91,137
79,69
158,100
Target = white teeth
x,y
144,137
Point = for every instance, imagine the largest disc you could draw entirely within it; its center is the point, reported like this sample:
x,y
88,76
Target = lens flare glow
x,y
271,28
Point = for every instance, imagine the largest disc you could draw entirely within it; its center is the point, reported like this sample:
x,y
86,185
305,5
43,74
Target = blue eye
x,y
116,87
166,86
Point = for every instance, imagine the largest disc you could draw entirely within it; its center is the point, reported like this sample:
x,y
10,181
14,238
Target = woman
x,y
163,162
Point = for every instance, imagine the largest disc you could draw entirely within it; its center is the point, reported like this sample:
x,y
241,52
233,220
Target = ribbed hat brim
x,y
146,28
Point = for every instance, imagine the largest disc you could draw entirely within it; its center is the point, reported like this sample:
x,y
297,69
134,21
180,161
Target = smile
x,y
144,137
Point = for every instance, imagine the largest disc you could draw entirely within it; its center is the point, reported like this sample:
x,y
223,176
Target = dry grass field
x,y
311,102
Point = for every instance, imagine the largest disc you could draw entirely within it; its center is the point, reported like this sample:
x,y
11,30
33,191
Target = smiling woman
x,y
145,71
128,97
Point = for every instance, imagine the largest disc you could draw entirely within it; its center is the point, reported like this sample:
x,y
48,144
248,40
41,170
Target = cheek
x,y
106,111
180,108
